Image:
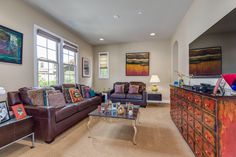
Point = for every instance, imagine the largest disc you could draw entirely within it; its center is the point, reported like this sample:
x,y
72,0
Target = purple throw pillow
x,y
119,88
133,89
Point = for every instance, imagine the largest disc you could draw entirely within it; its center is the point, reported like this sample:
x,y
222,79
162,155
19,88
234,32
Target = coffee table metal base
x,y
105,118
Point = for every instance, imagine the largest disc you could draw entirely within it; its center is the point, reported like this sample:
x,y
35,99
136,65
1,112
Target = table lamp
x,y
154,80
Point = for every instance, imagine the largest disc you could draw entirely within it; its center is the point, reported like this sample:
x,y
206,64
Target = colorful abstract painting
x,y
137,64
205,62
10,45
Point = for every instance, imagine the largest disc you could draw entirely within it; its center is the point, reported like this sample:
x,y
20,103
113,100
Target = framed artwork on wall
x,y
11,45
137,64
86,67
205,62
4,112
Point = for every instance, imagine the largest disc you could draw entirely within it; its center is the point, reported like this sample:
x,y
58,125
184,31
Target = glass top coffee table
x,y
112,114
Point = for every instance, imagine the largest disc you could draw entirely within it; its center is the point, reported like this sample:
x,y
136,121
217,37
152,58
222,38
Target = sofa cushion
x,y
75,95
56,99
66,112
13,98
119,88
142,86
133,89
85,91
83,105
24,95
126,86
118,96
36,97
134,96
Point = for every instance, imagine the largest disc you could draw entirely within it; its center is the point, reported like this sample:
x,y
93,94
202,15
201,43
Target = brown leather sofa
x,y
136,99
49,121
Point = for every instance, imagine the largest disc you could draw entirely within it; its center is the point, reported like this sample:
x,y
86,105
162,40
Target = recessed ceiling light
x,y
152,34
140,12
116,16
101,39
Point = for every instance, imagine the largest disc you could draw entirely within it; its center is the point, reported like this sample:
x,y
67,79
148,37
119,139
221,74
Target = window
x,y
56,60
103,60
47,56
69,63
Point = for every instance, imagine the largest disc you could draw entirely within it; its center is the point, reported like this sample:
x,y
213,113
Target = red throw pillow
x,y
119,88
75,95
133,89
19,111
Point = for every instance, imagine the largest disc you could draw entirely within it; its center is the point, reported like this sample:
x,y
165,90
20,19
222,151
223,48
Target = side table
x,y
14,130
154,97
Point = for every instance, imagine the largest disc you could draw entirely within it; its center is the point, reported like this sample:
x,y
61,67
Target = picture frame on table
x,y
86,69
19,111
4,112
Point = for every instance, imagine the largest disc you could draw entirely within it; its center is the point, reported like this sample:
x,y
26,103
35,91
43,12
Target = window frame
x,y
75,65
60,70
108,65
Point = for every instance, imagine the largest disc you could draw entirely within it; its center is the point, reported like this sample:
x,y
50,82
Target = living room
x,y
117,78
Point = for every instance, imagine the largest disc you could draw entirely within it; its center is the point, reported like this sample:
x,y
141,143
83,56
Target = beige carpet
x,y
157,137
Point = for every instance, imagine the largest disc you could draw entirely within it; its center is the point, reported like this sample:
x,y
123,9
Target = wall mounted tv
x,y
214,52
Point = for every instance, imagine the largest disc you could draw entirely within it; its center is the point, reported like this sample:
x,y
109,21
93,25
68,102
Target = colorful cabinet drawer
x,y
197,99
209,120
209,105
208,150
208,123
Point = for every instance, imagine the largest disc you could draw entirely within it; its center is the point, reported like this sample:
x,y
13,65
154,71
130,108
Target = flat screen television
x,y
214,52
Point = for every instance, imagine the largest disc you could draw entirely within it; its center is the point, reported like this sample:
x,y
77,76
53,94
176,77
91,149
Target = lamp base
x,y
154,88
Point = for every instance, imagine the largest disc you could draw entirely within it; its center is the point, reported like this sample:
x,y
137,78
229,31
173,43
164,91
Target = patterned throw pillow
x,y
67,94
92,93
36,97
119,88
133,89
56,99
85,91
75,95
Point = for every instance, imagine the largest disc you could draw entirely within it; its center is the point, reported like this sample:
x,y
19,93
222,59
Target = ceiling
x,y
93,19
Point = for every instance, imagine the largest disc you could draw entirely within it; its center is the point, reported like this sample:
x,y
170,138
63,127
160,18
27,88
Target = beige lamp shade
x,y
155,79
2,91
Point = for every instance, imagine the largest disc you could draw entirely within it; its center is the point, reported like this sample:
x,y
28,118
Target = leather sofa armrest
x,y
40,111
144,93
109,93
44,120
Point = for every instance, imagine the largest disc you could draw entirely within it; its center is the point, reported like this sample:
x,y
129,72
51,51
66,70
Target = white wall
x,y
21,17
159,64
201,16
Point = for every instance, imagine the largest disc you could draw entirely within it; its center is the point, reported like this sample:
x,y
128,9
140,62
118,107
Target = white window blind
x,y
103,65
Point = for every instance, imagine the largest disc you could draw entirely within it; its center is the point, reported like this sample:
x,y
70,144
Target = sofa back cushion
x,y
142,86
36,97
119,88
126,86
13,98
24,95
133,89
55,98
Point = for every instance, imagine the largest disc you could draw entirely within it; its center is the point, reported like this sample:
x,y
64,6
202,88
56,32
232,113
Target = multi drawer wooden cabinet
x,y
207,123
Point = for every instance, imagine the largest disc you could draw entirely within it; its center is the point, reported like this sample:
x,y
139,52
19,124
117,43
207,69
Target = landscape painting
x,y
137,64
10,45
205,62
